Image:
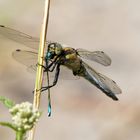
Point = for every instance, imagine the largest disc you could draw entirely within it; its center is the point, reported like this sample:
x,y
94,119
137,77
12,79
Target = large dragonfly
x,y
57,56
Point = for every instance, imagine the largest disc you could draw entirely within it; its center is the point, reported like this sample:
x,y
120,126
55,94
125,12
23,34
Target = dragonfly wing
x,y
108,86
27,58
17,36
65,74
32,69
97,56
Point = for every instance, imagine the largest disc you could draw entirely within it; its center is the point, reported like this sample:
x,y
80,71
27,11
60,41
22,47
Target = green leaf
x,y
7,102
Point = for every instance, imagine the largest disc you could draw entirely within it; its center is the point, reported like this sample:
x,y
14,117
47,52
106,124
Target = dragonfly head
x,y
54,49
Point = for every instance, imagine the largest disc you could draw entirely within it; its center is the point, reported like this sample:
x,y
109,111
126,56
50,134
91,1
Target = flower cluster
x,y
24,116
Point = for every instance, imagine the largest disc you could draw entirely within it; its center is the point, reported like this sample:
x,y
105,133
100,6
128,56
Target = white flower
x,y
24,116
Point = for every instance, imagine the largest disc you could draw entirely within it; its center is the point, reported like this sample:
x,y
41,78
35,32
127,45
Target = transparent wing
x,y
29,59
65,74
27,40
108,86
97,56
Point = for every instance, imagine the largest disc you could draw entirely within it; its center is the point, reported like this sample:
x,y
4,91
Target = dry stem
x,y
39,73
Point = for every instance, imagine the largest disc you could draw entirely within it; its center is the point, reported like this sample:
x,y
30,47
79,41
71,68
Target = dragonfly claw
x,y
45,68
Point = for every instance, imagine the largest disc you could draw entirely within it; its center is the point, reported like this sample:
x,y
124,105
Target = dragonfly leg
x,y
51,70
53,65
41,66
55,79
47,68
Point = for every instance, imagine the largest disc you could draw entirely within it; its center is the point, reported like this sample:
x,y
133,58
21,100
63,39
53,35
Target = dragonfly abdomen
x,y
96,82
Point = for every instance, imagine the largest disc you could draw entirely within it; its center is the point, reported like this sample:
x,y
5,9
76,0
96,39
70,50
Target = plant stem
x,y
20,135
39,74
7,124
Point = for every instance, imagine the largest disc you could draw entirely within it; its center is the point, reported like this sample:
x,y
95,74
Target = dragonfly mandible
x,y
56,56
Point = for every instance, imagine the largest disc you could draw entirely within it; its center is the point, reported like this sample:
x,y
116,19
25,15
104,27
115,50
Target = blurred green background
x,y
80,110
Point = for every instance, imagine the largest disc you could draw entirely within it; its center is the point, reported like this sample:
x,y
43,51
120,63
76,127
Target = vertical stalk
x,y
20,135
39,73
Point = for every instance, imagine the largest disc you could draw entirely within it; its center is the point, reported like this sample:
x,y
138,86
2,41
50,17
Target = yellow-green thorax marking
x,y
71,59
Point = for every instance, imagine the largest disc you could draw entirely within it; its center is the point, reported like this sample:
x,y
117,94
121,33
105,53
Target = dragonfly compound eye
x,y
58,50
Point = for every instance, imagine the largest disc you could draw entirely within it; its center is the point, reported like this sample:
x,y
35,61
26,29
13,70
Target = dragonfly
x,y
57,56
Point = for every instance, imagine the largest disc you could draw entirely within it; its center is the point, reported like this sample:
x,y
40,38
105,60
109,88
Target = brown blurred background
x,y
80,110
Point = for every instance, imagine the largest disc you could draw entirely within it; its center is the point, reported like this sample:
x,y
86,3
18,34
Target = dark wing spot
x,y
2,26
18,50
